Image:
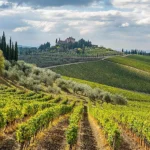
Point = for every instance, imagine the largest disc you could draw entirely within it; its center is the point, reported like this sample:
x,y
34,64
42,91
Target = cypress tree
x,y
4,44
12,52
0,43
10,43
16,51
7,52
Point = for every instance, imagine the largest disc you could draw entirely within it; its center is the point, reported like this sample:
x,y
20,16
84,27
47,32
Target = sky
x,y
114,24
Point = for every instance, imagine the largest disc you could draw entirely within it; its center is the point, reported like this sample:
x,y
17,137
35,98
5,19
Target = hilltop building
x,y
68,40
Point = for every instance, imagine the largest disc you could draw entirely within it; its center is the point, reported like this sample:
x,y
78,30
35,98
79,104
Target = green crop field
x,y
130,95
139,62
41,110
106,72
40,120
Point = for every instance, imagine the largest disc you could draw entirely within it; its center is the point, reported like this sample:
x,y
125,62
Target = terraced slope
x,y
30,120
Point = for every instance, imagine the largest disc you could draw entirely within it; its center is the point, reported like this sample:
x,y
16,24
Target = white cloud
x,y
98,25
21,29
125,24
145,21
44,26
84,31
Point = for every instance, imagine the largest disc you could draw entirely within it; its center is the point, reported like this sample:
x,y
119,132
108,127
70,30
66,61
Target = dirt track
x,y
87,138
55,138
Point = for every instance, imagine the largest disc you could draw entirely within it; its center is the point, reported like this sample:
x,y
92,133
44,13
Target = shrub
x,y
7,65
13,75
62,84
37,88
5,74
120,100
55,90
107,98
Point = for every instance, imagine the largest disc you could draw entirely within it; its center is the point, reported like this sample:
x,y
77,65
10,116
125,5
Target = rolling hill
x,y
109,73
41,110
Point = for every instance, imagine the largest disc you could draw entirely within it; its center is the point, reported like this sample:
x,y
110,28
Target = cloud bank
x,y
125,22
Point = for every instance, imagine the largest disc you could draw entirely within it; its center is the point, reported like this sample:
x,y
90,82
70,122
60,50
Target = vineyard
x,y
138,62
30,120
130,95
40,110
108,73
56,57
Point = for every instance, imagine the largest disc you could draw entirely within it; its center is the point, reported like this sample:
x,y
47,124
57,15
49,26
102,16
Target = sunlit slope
x,y
136,61
109,73
130,95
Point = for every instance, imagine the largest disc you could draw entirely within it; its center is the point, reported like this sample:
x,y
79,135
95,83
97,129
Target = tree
x,y
1,61
16,52
4,44
12,52
9,51
10,43
45,46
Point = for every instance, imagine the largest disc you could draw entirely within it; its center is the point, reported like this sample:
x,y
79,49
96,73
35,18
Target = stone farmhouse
x,y
68,40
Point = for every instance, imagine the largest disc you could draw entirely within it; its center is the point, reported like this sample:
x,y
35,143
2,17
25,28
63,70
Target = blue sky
x,y
112,23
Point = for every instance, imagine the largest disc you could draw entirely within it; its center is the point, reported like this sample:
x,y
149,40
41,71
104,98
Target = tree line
x,y
135,51
10,51
45,46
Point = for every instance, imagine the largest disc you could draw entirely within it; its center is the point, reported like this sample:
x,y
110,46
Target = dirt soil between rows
x,y
87,139
54,139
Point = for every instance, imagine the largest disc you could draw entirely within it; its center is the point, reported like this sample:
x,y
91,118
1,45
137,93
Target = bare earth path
x,y
55,138
87,139
96,59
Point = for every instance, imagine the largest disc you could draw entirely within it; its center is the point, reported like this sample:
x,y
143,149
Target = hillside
x,y
58,57
108,73
130,95
34,111
136,61
41,110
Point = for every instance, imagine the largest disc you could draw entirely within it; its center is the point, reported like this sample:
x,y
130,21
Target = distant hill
x,y
111,73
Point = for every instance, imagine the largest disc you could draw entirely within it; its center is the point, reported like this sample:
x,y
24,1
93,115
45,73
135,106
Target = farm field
x,y
52,58
108,73
75,75
130,95
139,62
47,112
30,120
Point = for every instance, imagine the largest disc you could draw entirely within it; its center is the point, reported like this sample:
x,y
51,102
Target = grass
x,y
108,73
130,95
136,61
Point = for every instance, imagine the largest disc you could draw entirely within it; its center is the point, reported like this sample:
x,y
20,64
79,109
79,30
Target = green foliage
x,y
45,46
110,127
134,117
9,51
30,76
136,61
130,95
1,61
55,56
72,130
41,120
108,73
